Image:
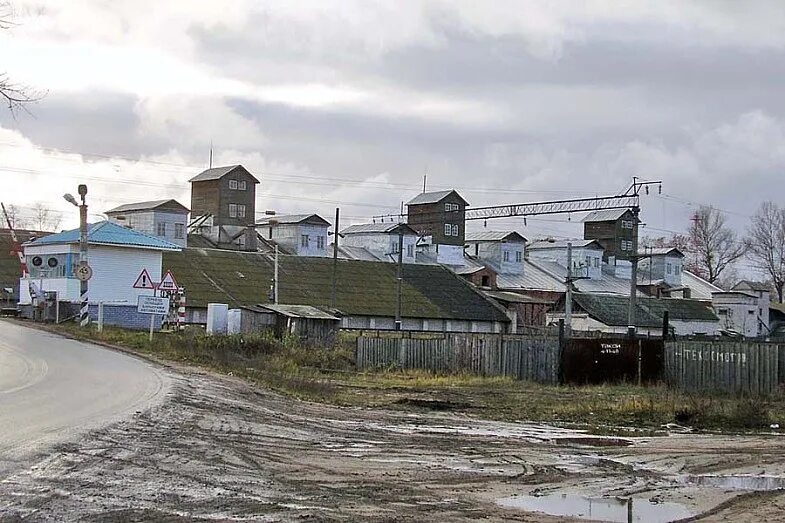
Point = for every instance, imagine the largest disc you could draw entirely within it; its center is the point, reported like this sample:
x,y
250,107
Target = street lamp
x,y
83,271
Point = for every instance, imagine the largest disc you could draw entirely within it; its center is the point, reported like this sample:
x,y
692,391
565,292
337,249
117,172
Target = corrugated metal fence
x,y
740,367
525,358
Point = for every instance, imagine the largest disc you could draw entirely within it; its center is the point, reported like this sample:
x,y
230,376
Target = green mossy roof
x,y
364,287
613,310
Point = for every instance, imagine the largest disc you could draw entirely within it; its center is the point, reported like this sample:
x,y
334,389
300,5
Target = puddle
x,y
738,482
598,509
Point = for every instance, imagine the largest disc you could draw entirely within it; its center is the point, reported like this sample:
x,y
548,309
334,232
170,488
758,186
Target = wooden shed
x,y
309,323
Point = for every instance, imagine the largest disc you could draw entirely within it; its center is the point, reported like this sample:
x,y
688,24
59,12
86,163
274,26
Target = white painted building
x,y
504,250
116,254
165,219
742,311
586,255
382,240
300,234
660,264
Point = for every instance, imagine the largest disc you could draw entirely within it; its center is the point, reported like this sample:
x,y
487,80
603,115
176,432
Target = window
x,y
241,211
669,268
241,185
395,246
451,207
447,229
518,256
179,231
588,261
626,224
506,256
455,230
160,229
485,281
410,251
232,210
625,245
447,206
233,185
304,240
320,242
677,269
596,263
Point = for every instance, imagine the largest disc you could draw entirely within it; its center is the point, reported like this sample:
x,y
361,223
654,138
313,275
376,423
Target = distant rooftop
x,y
659,251
605,215
433,197
292,219
562,244
381,228
108,233
146,206
494,236
217,173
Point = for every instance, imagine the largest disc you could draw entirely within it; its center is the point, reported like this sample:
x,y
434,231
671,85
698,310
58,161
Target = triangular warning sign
x,y
144,281
168,283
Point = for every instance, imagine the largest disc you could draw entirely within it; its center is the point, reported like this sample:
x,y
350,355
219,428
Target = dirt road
x,y
219,449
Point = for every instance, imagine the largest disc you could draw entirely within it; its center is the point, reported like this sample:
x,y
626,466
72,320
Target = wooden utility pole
x,y
334,291
399,300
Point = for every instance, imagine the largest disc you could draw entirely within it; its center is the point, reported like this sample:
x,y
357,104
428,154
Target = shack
x,y
308,323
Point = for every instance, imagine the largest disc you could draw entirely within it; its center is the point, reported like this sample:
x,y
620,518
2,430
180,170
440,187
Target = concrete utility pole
x,y
334,291
399,300
633,273
275,278
568,294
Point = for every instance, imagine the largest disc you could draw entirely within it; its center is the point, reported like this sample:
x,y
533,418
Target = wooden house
x,y
440,217
227,194
166,219
614,230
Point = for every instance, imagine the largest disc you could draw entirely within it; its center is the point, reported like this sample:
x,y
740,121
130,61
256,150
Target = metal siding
x,y
115,270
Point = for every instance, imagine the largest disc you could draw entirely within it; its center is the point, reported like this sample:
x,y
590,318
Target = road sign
x,y
144,281
83,271
152,305
168,283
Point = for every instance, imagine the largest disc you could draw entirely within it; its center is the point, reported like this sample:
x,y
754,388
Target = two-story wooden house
x,y
614,229
228,194
439,217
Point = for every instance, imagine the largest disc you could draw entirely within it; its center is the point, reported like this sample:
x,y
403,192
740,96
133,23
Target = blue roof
x,y
108,233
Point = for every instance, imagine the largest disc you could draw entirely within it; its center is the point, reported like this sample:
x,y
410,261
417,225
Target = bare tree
x,y
711,246
14,216
45,219
14,95
766,243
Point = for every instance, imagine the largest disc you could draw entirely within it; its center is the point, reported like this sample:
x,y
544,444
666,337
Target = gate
x,y
612,360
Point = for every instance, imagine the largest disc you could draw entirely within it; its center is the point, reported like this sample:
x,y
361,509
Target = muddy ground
x,y
219,449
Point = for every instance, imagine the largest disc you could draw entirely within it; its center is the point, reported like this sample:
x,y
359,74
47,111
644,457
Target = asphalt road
x,y
53,389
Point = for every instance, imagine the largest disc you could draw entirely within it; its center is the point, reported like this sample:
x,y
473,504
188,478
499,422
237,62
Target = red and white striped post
x,y
181,309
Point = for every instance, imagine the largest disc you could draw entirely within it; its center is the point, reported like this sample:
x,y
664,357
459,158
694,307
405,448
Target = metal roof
x,y
606,215
298,311
753,285
146,206
494,236
699,288
217,173
292,219
659,251
514,297
433,197
613,310
382,228
108,233
562,244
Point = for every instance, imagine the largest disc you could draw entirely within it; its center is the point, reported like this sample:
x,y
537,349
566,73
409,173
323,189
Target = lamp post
x,y
83,271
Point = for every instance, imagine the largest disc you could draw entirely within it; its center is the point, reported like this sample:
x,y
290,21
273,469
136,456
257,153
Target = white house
x,y
116,254
382,240
301,234
743,311
586,255
660,264
166,219
504,250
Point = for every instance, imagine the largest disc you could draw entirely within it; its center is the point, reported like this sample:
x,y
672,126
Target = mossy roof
x,y
613,309
364,288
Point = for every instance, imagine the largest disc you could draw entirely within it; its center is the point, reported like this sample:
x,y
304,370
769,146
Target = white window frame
x,y
447,207
506,256
627,224
232,210
518,256
160,229
240,210
179,231
455,230
320,242
241,185
447,229
233,185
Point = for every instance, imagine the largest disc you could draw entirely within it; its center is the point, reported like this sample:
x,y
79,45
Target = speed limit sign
x,y
83,272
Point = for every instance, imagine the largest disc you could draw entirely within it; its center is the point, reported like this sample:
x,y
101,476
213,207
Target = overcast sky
x,y
349,102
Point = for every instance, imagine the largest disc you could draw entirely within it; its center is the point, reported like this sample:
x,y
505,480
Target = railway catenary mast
x,y
629,199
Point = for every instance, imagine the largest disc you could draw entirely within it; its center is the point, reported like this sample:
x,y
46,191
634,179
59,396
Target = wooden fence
x,y
738,367
525,358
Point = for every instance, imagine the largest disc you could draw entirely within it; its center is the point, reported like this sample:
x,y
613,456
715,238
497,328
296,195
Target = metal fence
x,y
737,367
525,358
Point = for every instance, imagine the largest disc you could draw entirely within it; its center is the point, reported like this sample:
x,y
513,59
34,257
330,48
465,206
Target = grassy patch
x,y
327,375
